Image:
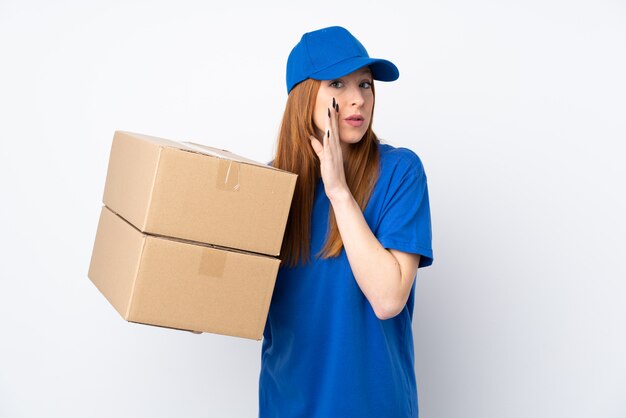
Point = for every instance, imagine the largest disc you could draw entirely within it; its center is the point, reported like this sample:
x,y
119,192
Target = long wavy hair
x,y
294,153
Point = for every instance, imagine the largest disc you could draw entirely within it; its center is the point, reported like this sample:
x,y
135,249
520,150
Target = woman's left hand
x,y
331,159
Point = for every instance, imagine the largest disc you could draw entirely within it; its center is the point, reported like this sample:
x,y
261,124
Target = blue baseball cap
x,y
330,53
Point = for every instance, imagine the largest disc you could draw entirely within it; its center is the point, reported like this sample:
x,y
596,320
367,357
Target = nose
x,y
357,98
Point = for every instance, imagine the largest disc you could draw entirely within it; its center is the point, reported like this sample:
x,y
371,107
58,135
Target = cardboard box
x,y
198,193
180,284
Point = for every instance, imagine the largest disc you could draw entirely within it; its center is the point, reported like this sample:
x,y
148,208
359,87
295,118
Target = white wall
x,y
516,108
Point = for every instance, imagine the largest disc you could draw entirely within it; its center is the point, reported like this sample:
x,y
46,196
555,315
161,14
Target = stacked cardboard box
x,y
189,235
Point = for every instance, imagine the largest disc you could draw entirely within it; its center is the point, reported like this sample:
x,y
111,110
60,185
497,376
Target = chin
x,y
350,141
352,138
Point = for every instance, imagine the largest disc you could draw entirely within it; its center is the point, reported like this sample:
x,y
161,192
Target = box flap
x,y
197,147
222,153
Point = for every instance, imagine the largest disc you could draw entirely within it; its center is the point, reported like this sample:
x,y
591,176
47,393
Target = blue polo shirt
x,y
325,354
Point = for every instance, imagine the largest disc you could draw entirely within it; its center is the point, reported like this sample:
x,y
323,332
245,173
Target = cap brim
x,y
382,70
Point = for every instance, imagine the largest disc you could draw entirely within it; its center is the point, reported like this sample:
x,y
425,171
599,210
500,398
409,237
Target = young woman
x,y
338,340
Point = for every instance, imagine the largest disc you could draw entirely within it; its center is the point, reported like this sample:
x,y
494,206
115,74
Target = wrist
x,y
340,198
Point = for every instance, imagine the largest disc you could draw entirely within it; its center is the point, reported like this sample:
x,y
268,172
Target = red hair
x,y
294,153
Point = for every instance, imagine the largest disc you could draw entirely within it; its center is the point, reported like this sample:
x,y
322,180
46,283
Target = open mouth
x,y
354,120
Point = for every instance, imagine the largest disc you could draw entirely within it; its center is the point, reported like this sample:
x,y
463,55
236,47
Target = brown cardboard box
x,y
180,284
198,193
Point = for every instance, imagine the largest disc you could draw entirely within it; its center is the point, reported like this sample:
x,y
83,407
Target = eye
x,y
336,84
366,84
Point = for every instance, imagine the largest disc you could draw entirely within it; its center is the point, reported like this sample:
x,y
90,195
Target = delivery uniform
x,y
325,354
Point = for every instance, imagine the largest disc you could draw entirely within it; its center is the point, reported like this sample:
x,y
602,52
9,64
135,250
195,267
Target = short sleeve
x,y
404,223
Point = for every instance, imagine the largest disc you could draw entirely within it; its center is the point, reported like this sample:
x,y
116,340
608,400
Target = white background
x,y
517,109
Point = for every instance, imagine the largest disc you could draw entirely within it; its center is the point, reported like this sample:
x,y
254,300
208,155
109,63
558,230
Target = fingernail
x,y
328,133
337,107
329,112
333,102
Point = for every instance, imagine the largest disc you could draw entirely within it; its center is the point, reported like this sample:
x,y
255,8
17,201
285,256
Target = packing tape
x,y
228,175
228,170
212,263
200,149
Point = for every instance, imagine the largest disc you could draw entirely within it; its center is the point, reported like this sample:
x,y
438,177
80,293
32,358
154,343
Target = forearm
x,y
375,269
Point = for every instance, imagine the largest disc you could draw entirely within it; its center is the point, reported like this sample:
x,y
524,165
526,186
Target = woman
x,y
338,340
